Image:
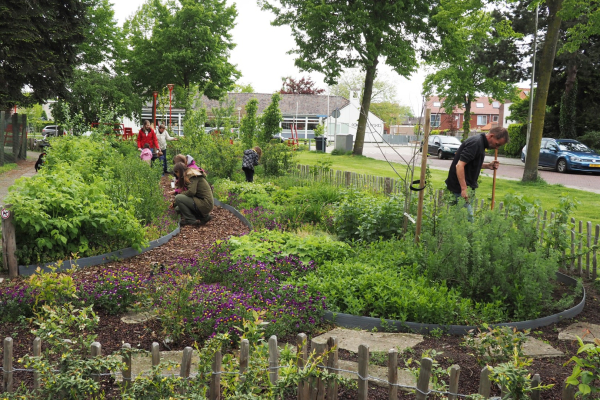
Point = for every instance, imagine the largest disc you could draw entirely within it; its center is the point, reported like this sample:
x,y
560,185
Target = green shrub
x,y
491,259
591,139
276,159
518,136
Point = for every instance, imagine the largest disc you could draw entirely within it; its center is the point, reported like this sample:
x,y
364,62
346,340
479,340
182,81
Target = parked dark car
x,y
443,146
565,155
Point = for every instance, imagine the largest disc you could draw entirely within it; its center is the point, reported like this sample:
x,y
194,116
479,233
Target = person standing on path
x,y
468,163
163,136
250,160
195,202
147,135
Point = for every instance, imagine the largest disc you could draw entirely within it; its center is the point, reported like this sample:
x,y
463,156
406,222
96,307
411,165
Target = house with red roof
x,y
485,114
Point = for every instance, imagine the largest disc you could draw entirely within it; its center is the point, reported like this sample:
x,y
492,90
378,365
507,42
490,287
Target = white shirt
x,y
162,138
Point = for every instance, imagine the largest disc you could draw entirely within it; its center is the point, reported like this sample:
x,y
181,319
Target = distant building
x,y
305,111
484,111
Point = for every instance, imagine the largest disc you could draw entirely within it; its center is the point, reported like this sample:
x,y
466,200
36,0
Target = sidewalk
x,y
26,168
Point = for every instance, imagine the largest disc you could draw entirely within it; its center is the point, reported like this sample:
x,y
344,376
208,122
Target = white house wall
x,y
348,122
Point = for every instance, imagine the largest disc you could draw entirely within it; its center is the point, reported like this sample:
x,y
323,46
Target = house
x,y
505,120
484,111
306,111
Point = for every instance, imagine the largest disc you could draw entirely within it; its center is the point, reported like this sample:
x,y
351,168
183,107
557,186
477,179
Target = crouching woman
x,y
195,202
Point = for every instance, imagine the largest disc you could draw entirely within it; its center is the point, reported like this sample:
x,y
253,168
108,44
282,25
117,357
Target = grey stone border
x,y
353,321
28,270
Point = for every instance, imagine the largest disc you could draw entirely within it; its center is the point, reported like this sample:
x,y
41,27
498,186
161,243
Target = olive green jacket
x,y
199,190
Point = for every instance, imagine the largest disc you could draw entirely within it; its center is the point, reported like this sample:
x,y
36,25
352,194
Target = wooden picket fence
x,y
583,257
307,390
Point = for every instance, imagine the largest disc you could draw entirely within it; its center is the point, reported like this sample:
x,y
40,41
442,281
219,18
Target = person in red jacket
x,y
147,135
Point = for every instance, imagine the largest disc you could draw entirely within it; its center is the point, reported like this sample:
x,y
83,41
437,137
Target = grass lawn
x,y
548,195
7,167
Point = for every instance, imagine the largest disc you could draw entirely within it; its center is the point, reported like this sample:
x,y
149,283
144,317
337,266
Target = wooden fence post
x,y
127,362
15,132
23,152
573,245
580,248
348,178
7,365
454,377
321,349
215,379
244,357
95,351
589,246
393,373
155,350
543,227
423,381
332,363
9,242
273,360
535,382
363,372
37,352
484,383
595,266
2,119
568,391
302,354
388,186
186,362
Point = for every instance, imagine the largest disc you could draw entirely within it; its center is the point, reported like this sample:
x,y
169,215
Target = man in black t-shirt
x,y
468,161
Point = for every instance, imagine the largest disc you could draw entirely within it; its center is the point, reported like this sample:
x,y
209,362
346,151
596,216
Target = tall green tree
x,y
248,127
339,34
459,79
184,42
391,113
384,89
270,120
38,48
546,65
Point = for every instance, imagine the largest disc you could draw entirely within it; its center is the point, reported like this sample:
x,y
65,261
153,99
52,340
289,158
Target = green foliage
x,y
586,369
249,122
391,113
439,375
319,130
52,288
276,159
492,259
591,139
65,369
568,113
365,217
497,344
519,110
180,38
518,136
267,245
515,379
270,121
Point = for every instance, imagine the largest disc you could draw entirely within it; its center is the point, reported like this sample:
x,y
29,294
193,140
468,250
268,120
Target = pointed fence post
x,y
273,360
7,365
393,373
155,350
244,357
37,352
363,372
484,383
302,354
454,377
215,378
424,377
127,362
332,362
95,351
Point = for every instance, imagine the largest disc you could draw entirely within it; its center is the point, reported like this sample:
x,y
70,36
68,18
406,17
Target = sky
x,y
261,53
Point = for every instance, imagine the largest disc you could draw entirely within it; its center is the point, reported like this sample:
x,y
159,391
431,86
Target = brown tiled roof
x,y
488,108
308,104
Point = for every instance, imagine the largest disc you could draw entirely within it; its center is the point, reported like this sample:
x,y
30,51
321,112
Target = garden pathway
x,y
25,169
585,330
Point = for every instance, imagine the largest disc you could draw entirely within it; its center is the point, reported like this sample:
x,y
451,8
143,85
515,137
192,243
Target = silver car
x,y
52,130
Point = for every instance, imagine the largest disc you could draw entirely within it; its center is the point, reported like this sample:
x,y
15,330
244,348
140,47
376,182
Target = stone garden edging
x,y
28,270
353,321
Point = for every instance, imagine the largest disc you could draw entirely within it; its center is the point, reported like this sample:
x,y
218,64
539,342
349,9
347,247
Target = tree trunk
x,y
541,94
568,101
467,117
364,109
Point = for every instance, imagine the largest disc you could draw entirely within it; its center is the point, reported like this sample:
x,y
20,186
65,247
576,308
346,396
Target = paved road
x,y
510,168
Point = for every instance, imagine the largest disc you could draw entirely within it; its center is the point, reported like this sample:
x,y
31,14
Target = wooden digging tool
x,y
494,184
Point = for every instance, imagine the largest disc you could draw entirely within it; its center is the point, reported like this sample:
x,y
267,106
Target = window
x,y
496,104
482,120
435,120
494,118
437,104
479,105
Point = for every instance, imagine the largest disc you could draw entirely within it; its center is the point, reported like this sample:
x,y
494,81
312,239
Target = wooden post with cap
x,y
423,172
9,242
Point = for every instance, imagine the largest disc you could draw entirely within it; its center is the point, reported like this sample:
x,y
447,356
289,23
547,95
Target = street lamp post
x,y
170,86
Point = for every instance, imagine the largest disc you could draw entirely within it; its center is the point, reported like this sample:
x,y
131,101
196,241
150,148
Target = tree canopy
x,y
299,86
384,89
183,42
337,34
38,48
461,77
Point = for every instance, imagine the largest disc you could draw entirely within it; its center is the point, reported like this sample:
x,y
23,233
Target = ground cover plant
x,y
93,196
